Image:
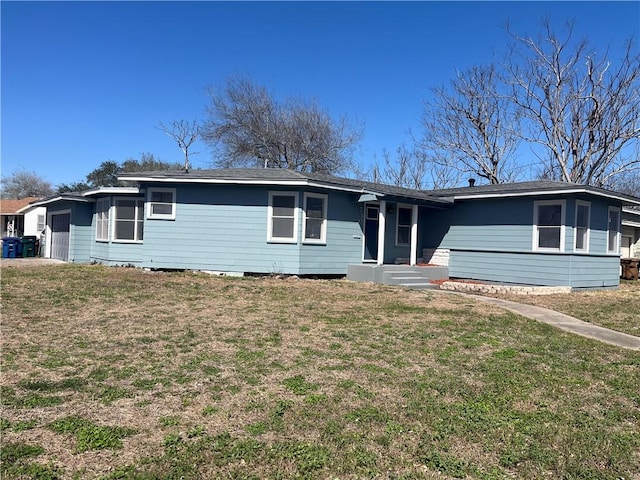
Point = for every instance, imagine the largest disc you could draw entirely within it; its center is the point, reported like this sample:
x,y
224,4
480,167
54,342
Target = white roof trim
x,y
546,192
59,198
222,181
111,190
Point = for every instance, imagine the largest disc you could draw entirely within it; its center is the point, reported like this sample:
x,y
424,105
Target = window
x,y
41,224
583,214
102,219
161,203
403,226
129,220
315,218
283,217
613,231
548,219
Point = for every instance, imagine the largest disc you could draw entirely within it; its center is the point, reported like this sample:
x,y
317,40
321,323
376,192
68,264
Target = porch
x,y
415,277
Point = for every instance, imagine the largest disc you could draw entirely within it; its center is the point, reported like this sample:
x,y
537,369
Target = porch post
x,y
414,236
382,214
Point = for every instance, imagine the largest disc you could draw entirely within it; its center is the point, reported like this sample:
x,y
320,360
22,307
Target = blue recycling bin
x,y
11,247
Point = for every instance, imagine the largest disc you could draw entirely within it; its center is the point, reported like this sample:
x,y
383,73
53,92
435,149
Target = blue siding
x,y
79,229
224,228
80,232
577,271
344,239
492,240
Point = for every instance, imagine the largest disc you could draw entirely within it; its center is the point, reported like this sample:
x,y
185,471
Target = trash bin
x,y
11,247
28,246
630,268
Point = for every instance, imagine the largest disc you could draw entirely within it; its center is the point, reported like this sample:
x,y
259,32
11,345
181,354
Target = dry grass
x,y
210,377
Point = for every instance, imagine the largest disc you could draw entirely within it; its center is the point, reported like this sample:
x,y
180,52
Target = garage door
x,y
60,236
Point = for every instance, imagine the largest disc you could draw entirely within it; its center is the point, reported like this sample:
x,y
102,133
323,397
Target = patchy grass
x,y
118,373
615,309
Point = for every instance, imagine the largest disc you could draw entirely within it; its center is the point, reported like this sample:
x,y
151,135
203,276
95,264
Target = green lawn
x,y
118,373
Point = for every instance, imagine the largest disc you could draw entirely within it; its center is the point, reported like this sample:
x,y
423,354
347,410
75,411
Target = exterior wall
x,y
492,240
344,239
536,269
224,228
31,221
80,233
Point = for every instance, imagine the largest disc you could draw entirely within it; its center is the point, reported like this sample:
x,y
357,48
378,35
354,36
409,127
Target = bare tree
x,y
184,133
470,128
24,184
580,107
248,127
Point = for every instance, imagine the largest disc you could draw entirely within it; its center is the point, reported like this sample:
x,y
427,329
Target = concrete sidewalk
x,y
564,322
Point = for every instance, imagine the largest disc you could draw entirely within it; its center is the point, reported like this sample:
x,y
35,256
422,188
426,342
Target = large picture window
x,y
128,220
283,217
613,231
315,218
403,226
102,219
161,203
583,214
548,218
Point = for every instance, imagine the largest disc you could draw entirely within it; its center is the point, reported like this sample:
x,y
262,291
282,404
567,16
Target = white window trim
x,y
114,209
323,228
536,232
410,225
587,242
41,225
106,200
618,230
150,214
270,237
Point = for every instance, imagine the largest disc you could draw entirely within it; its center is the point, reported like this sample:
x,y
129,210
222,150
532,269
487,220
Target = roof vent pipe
x,y
472,182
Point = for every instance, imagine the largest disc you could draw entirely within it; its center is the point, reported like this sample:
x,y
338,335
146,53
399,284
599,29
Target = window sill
x,y
135,242
314,242
283,241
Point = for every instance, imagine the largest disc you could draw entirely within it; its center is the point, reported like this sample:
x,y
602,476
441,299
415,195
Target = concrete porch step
x,y
417,277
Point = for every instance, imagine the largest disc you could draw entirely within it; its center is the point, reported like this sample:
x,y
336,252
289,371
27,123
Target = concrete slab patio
x,y
564,322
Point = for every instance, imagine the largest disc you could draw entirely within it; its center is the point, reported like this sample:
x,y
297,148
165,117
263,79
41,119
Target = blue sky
x,y
85,82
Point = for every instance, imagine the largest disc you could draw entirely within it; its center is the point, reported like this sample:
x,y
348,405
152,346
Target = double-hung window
x,y
583,214
403,226
548,229
102,219
161,203
128,220
41,224
315,218
613,231
283,217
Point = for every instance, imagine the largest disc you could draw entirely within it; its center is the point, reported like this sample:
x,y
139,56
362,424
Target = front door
x,y
371,215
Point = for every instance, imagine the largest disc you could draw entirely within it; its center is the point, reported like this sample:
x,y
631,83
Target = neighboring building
x,y
280,221
11,218
630,241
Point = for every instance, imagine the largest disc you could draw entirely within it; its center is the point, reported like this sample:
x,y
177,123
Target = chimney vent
x,y
472,182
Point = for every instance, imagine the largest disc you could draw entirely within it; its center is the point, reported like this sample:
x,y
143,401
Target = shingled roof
x,y
282,176
537,187
11,207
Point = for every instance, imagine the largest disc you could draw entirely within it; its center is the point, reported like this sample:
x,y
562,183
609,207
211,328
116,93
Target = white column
x,y
382,215
414,235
